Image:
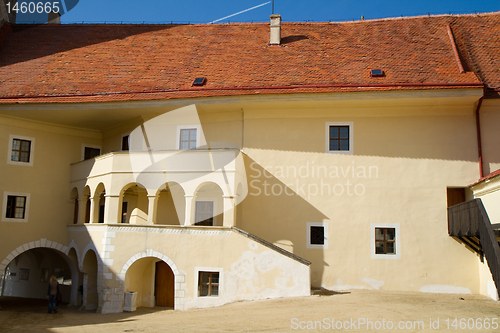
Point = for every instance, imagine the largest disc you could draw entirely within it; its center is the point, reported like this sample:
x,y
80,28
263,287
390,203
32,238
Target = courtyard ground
x,y
352,311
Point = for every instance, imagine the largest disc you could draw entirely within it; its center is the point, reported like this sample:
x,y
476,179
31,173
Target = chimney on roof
x,y
275,30
54,18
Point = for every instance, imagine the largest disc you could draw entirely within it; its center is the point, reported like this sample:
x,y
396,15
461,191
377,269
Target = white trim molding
x,y
396,245
351,138
308,235
4,206
32,150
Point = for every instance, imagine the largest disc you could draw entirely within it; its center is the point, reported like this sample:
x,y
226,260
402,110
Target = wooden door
x,y
164,285
455,196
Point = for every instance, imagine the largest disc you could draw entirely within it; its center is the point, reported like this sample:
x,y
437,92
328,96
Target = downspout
x,y
479,146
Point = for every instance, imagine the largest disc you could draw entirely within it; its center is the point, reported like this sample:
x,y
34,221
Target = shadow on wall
x,y
277,214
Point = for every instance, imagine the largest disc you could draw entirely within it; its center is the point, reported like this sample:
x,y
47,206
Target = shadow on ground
x,y
30,315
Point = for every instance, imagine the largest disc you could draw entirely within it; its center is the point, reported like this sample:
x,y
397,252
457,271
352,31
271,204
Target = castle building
x,y
194,165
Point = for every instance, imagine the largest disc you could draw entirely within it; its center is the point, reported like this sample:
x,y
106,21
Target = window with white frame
x,y
317,235
339,137
188,136
208,282
15,207
21,150
385,241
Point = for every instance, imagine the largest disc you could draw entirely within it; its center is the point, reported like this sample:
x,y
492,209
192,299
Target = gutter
x,y
478,130
318,86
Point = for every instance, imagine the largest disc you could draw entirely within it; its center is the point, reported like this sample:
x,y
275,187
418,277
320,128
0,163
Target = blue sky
x,y
205,11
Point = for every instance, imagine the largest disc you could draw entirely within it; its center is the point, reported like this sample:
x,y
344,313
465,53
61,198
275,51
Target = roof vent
x,y
377,73
199,81
275,30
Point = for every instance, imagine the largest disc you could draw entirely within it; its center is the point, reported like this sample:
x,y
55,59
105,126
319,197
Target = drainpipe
x,y
479,146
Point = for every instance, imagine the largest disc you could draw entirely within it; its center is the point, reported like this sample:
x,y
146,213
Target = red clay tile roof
x,y
80,63
489,176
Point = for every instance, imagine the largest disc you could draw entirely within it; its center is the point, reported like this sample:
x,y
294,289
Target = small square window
x,y
317,235
339,138
15,207
21,150
208,284
188,138
385,241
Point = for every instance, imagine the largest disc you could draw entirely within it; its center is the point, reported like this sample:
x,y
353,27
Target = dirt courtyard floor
x,y
353,311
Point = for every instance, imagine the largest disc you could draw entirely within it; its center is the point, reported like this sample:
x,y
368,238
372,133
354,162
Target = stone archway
x,y
147,300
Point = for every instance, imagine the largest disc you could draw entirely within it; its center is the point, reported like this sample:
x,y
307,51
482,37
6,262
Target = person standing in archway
x,y
52,294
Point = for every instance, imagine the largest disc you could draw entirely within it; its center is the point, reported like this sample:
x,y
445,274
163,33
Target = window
x,y
125,145
188,138
204,213
317,235
124,212
21,150
91,152
208,284
339,138
385,241
15,207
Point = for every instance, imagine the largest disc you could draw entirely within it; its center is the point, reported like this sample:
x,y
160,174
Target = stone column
x,y
111,208
152,208
93,205
190,209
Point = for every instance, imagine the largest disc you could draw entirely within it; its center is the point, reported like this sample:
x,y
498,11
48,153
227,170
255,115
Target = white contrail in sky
x,y
246,10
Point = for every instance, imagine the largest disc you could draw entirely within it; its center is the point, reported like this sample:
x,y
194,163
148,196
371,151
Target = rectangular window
x,y
204,213
339,138
208,284
125,146
188,138
21,150
16,207
124,211
317,235
385,239
91,152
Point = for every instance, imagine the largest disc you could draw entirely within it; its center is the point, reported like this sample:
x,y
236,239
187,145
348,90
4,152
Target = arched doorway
x,y
90,268
153,281
28,274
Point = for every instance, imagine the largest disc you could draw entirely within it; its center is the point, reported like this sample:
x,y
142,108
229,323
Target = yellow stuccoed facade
x,y
264,163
